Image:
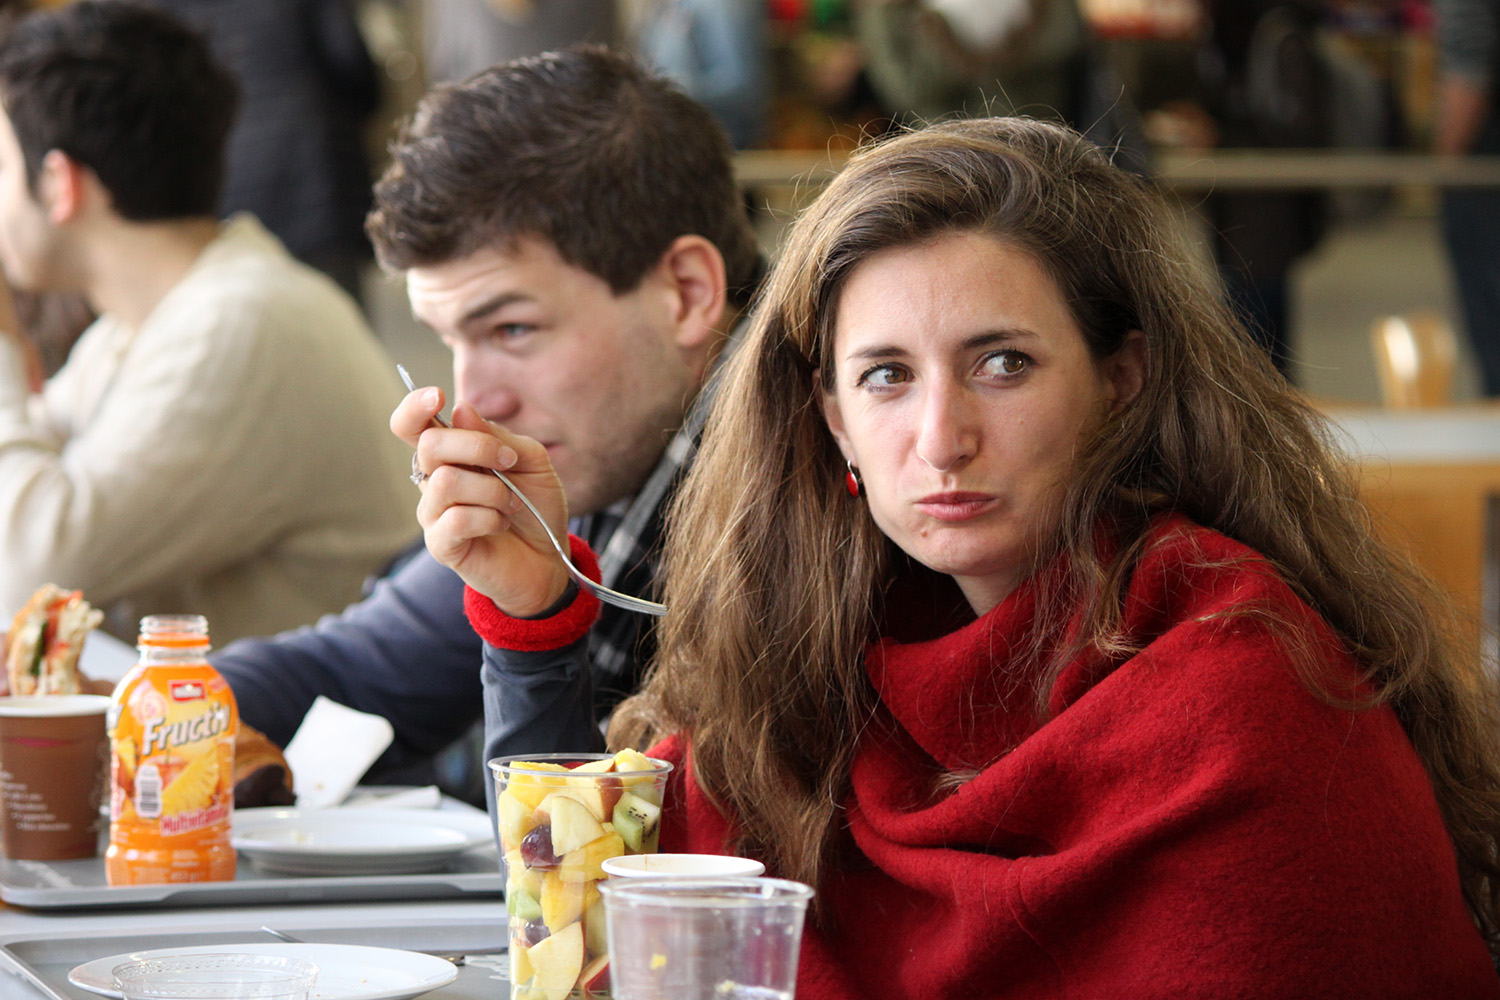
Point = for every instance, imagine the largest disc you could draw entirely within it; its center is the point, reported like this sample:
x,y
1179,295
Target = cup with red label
x,y
560,818
54,757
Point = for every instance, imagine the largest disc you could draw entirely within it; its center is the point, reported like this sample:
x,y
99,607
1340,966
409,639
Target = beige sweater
x,y
230,458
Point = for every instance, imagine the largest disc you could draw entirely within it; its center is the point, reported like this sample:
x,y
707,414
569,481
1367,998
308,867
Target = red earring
x,y
851,481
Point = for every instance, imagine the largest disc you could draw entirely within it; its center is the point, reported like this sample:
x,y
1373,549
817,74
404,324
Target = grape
x,y
536,848
535,932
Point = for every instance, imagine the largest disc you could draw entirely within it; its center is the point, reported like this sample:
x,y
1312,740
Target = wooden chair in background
x,y
1415,356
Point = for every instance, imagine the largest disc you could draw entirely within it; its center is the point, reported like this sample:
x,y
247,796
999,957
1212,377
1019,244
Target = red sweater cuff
x,y
531,635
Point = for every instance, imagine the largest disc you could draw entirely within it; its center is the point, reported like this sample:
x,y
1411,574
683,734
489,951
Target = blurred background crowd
x,y
325,81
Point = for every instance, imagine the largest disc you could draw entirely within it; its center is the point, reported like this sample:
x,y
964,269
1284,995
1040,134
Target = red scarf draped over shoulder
x,y
1190,821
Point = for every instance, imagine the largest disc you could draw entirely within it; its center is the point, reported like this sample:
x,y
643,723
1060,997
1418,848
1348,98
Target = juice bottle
x,y
171,729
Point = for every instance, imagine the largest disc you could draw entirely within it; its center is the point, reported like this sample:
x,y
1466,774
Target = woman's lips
x,y
956,506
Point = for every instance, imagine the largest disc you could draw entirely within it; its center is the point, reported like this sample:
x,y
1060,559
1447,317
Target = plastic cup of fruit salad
x,y
560,817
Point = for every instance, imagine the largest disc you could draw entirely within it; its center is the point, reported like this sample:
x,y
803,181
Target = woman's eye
x,y
883,375
1005,363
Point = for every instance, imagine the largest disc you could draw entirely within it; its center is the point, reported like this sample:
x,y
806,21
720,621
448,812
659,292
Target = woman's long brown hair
x,y
775,579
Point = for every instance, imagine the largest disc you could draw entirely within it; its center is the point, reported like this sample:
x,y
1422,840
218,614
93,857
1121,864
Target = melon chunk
x,y
586,864
514,817
531,789
561,903
595,931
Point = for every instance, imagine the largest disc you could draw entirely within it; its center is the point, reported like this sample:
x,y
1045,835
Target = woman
x,y
1099,685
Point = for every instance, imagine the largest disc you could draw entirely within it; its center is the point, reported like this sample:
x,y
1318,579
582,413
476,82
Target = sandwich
x,y
262,777
41,654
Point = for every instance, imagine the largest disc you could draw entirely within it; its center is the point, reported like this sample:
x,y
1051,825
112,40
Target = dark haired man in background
x,y
216,442
570,227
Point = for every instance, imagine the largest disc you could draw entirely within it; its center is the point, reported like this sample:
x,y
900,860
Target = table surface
x,y
460,926
1467,435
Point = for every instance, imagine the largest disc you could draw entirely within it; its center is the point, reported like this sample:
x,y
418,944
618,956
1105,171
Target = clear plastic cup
x,y
560,818
704,938
215,976
682,866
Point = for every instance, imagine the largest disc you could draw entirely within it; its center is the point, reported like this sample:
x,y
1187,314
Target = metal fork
x,y
455,958
600,591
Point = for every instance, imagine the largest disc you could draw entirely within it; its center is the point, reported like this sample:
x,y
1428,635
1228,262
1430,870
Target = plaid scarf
x,y
627,538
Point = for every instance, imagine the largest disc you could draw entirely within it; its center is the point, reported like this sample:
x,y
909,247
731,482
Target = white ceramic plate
x,y
345,971
357,841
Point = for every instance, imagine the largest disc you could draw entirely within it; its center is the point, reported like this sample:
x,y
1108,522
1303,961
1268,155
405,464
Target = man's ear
x,y
694,271
1126,368
832,415
62,186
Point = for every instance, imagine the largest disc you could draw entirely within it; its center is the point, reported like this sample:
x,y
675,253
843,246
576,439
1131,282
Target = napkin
x,y
333,748
423,797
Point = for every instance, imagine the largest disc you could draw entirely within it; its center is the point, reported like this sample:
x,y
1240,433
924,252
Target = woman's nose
x,y
949,432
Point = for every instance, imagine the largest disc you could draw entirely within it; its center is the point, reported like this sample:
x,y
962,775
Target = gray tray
x,y
75,884
46,961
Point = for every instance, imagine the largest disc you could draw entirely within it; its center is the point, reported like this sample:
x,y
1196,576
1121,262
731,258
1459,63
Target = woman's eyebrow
x,y
985,338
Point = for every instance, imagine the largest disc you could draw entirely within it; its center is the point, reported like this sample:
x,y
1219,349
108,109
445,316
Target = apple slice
x,y
591,786
596,766
556,962
599,795
573,823
595,977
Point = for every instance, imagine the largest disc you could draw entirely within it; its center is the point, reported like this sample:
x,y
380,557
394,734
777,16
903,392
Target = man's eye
x,y
1005,363
884,375
510,331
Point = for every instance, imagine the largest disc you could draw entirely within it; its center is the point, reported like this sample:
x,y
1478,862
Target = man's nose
x,y
948,435
483,384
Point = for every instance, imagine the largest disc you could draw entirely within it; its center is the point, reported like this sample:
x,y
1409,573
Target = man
x,y
215,443
1468,34
570,227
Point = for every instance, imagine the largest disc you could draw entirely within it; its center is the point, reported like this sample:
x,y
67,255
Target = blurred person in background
x,y
296,157
717,51
464,37
1258,82
930,59
49,323
1468,33
215,442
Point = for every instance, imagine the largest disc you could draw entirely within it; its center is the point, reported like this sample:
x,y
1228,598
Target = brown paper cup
x,y
53,761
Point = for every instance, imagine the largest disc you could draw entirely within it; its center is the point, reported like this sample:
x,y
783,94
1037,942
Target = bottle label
x,y
172,777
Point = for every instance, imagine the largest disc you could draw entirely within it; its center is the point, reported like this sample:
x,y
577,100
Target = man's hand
x,y
472,523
